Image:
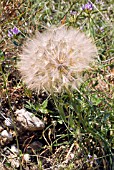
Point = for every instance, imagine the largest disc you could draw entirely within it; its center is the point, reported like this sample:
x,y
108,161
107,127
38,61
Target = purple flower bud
x,y
89,156
101,29
73,12
15,30
10,34
87,6
83,7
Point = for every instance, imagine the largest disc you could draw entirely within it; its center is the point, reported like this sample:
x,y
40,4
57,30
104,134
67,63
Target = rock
x,y
28,120
14,149
26,157
6,134
12,157
14,160
8,122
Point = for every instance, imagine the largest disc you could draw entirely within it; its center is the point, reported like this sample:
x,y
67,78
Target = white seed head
x,y
55,59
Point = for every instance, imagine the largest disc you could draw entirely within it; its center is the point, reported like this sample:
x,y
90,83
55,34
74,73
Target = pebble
x,y
28,120
14,149
6,134
26,157
14,161
8,122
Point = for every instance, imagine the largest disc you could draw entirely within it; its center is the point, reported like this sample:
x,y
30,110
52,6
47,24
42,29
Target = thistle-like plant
x,y
55,59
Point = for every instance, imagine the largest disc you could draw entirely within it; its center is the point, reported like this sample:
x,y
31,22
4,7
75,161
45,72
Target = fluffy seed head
x,y
55,59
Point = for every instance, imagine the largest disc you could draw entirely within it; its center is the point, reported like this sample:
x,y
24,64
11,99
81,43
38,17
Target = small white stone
x,y
14,149
26,157
6,134
72,155
15,162
29,121
8,122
